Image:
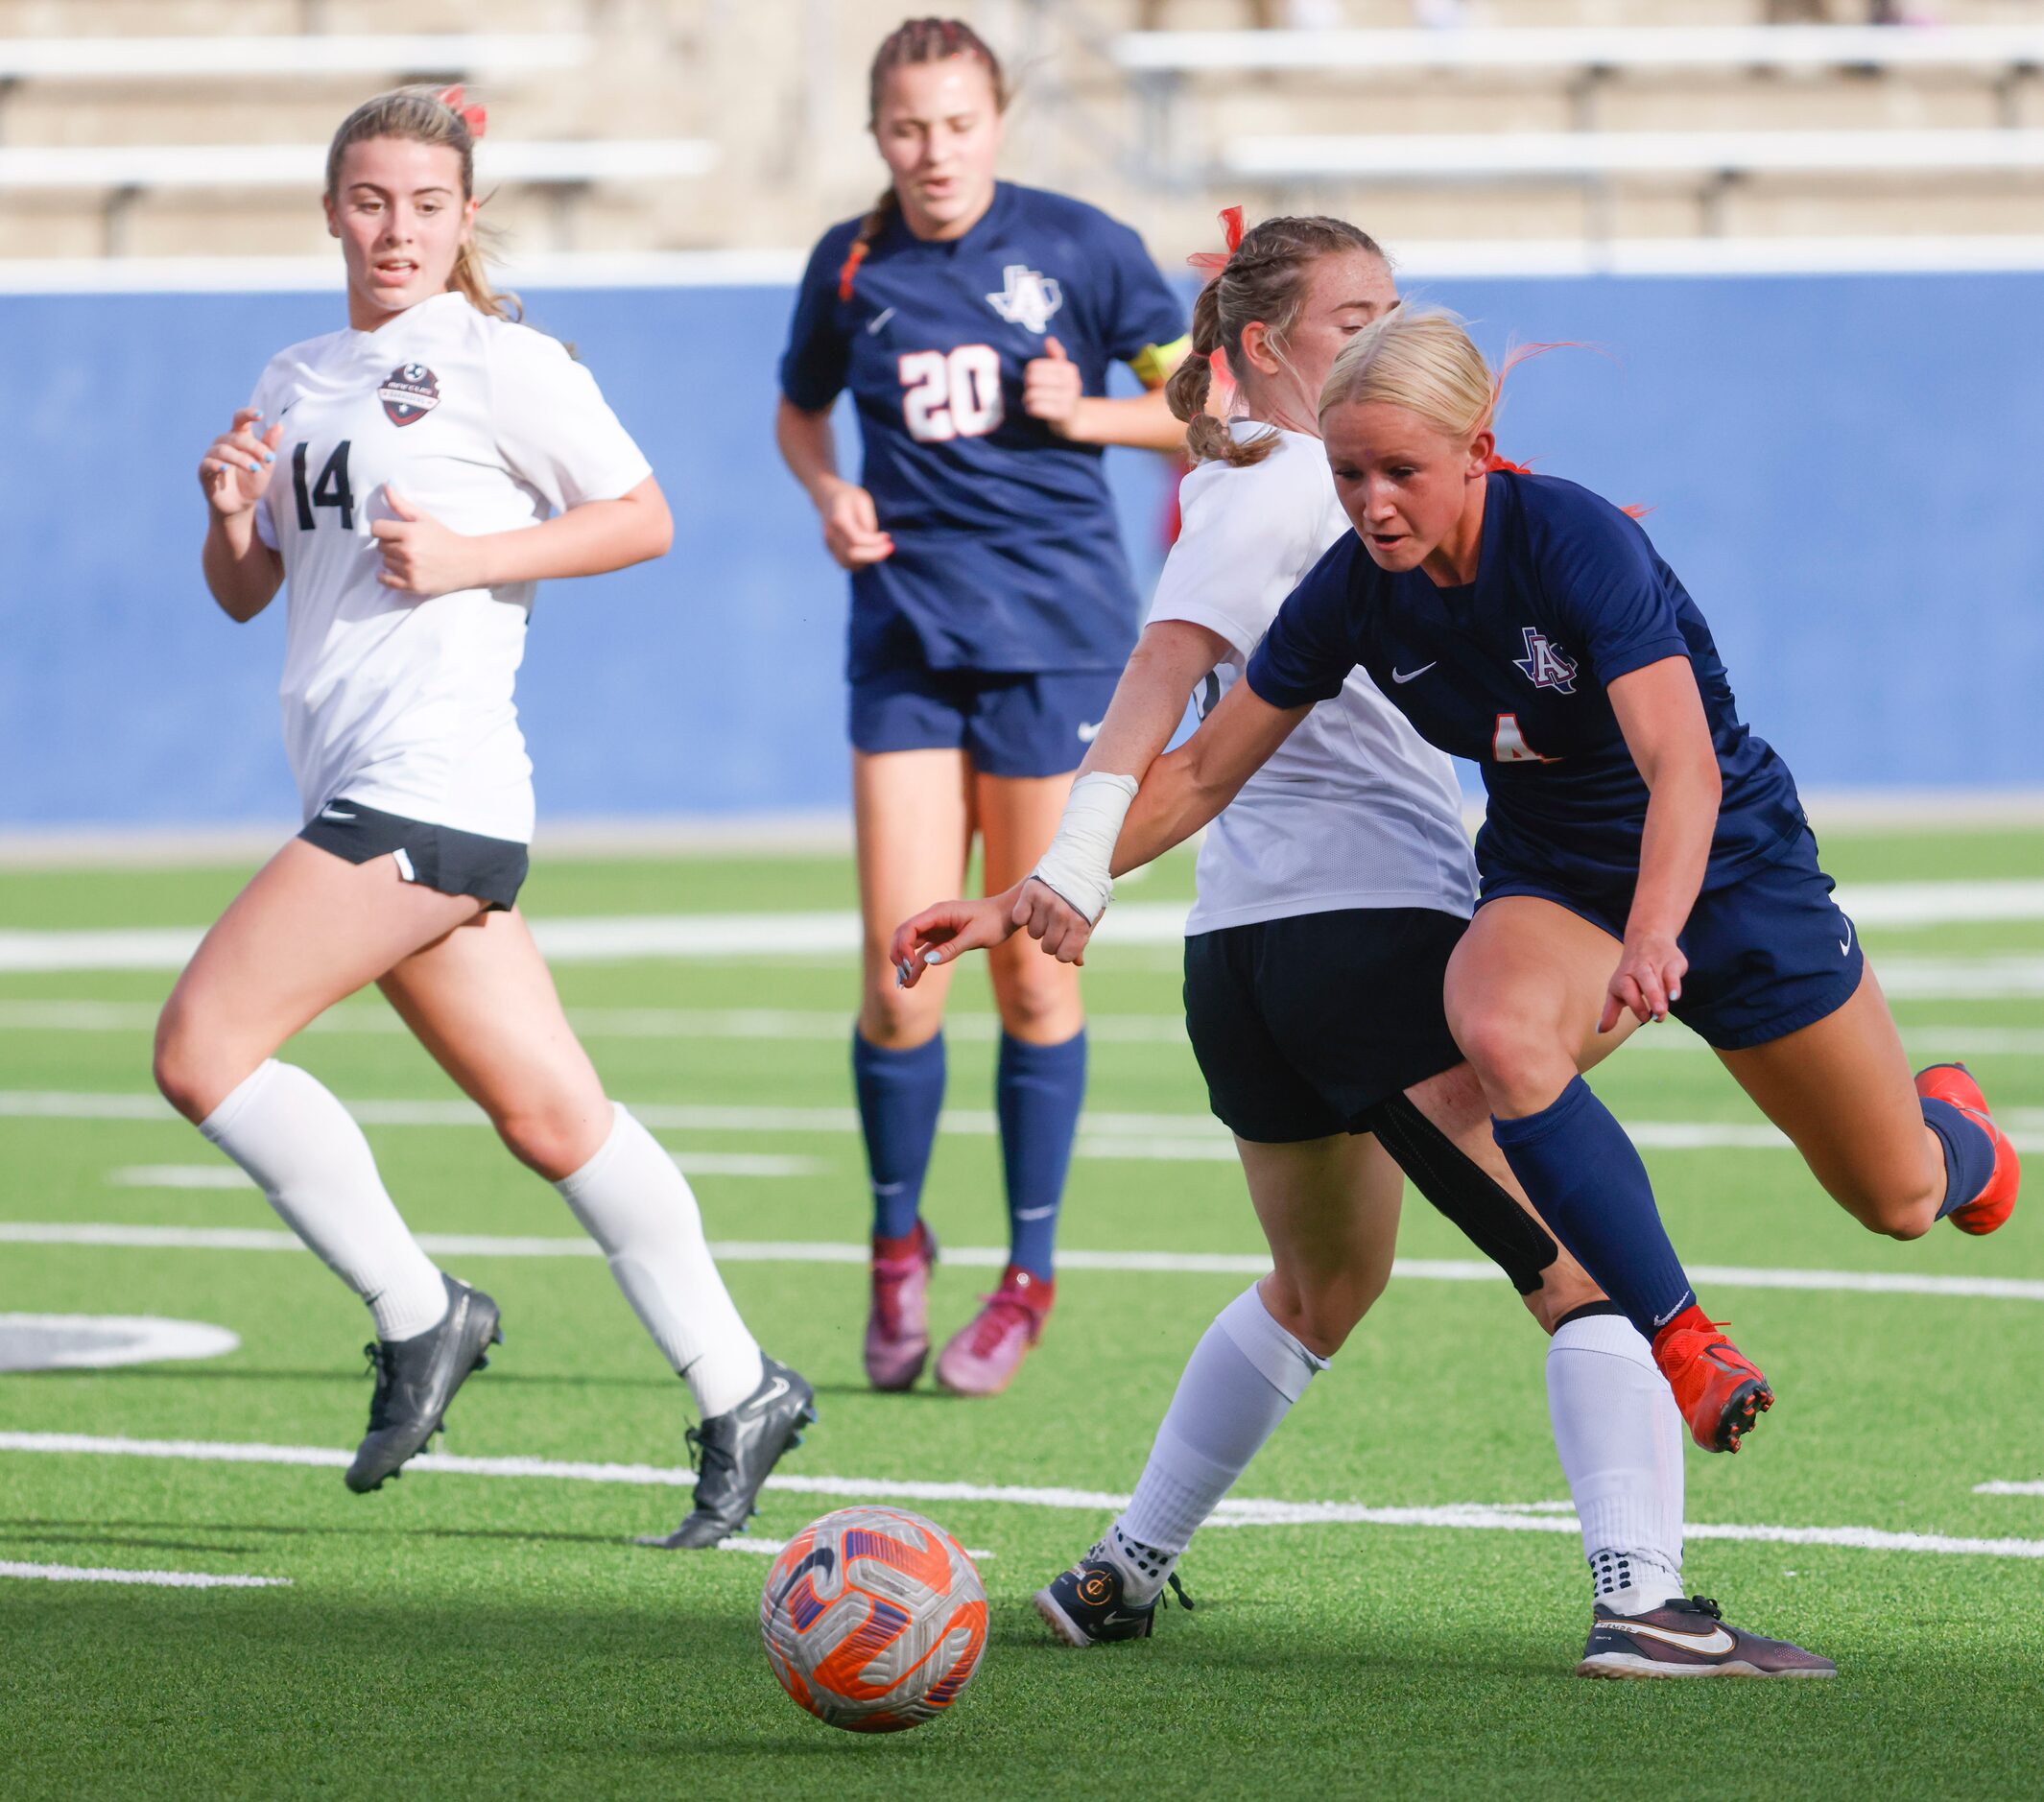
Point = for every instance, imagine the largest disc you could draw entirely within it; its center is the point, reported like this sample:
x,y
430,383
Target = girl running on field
x,y
974,323
1332,892
1525,623
411,479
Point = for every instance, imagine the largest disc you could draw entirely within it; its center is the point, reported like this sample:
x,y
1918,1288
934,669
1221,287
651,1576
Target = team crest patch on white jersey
x,y
1029,300
409,393
1545,664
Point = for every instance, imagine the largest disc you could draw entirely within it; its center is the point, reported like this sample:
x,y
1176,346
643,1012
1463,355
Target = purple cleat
x,y
897,1328
1689,1639
984,1354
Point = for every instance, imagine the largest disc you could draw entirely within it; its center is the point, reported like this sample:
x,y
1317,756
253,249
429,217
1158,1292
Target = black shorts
x,y
436,857
1302,1025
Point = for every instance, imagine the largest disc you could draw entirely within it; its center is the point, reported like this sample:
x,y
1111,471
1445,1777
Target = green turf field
x,y
499,1634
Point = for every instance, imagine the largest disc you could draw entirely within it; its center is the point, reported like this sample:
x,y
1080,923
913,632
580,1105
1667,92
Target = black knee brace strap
x,y
1488,1218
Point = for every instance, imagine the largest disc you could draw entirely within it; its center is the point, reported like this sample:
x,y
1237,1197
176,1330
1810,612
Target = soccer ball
x,y
875,1618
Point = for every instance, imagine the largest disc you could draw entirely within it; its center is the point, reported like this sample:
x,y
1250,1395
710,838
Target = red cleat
x,y
1996,1200
984,1354
1719,1390
897,1325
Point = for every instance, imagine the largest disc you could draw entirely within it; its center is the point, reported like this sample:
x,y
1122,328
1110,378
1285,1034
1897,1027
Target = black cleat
x,y
734,1453
1085,1607
1689,1639
416,1378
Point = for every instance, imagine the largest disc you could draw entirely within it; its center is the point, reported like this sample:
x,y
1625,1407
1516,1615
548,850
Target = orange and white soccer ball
x,y
875,1618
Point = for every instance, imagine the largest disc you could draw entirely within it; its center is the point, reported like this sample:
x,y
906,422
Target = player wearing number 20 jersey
x,y
484,425
973,324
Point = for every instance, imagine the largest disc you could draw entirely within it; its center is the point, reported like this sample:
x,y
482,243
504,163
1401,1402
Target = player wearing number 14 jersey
x,y
973,324
408,481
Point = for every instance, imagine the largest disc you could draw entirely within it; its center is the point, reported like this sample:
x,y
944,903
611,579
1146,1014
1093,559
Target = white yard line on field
x,y
2009,1489
1174,1138
835,932
228,1176
994,1258
1237,1512
775,1025
158,1579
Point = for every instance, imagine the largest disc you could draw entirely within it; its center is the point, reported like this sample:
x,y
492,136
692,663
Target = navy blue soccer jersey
x,y
1510,671
1006,553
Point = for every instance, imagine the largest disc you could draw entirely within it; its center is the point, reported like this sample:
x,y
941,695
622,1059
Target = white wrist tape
x,y
1075,868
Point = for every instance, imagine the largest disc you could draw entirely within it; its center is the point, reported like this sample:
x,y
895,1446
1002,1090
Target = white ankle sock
x,y
1619,1440
287,1130
639,1208
1240,1380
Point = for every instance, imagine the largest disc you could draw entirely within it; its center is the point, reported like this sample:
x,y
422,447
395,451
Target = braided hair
x,y
1263,279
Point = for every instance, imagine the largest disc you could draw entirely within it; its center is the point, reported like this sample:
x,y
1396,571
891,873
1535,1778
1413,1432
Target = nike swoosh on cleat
x,y
1412,676
773,1394
1714,1644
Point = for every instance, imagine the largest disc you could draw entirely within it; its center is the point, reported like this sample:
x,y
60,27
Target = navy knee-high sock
x,y
1037,1093
1968,1152
1582,1174
901,1094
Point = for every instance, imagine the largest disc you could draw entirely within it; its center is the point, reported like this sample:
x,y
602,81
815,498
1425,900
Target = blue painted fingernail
x,y
901,976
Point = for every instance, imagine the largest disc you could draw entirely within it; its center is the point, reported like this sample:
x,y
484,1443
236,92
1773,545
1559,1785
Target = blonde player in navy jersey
x,y
409,480
1332,893
973,322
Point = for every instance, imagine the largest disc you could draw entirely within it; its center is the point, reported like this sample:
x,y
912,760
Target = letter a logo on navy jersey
x,y
409,393
1029,300
1545,664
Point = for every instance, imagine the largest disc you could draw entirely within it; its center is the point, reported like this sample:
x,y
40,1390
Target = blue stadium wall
x,y
1845,469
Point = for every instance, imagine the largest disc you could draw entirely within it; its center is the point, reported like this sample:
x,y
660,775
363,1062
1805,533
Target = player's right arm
x,y
242,573
1169,660
851,524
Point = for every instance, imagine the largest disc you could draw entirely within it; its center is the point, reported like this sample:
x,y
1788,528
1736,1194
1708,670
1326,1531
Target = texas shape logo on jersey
x,y
409,393
1029,300
1545,664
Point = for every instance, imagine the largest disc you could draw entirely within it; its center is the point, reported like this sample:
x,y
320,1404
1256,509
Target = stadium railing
x,y
1162,66
125,173
198,57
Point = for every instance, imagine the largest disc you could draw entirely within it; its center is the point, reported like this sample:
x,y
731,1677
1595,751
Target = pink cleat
x,y
897,1328
984,1354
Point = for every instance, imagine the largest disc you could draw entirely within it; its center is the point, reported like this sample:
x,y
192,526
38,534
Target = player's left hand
x,y
1052,387
420,555
1648,980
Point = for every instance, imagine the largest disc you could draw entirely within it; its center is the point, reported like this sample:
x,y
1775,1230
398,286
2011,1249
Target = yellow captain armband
x,y
1154,363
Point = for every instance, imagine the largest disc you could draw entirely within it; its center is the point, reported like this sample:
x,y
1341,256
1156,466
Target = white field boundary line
x,y
155,1579
782,1024
1174,1138
836,931
994,1258
2009,1489
1247,1511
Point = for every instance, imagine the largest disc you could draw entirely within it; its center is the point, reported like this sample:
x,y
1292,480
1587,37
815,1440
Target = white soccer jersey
x,y
402,703
1355,810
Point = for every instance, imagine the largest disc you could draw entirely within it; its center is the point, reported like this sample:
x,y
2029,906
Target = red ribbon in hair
x,y
1210,263
475,118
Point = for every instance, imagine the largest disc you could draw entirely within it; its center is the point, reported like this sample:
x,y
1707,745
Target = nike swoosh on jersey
x,y
1712,1644
1088,732
874,324
1412,676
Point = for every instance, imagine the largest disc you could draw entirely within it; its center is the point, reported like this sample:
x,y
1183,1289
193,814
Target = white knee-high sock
x,y
639,1208
1619,1440
1240,1380
286,1129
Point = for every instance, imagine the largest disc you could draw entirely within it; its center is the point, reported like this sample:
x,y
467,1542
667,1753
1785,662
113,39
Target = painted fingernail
x,y
935,957
269,457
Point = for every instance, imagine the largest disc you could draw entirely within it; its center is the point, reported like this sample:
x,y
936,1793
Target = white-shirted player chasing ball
x,y
409,480
1331,891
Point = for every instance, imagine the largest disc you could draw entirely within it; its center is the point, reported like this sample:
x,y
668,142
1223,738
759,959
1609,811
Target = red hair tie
x,y
475,118
1210,263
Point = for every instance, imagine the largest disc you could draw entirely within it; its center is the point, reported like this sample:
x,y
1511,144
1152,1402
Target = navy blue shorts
x,y
1007,722
1769,953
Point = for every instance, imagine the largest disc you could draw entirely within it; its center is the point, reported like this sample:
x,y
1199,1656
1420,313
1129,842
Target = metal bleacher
x,y
1814,117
